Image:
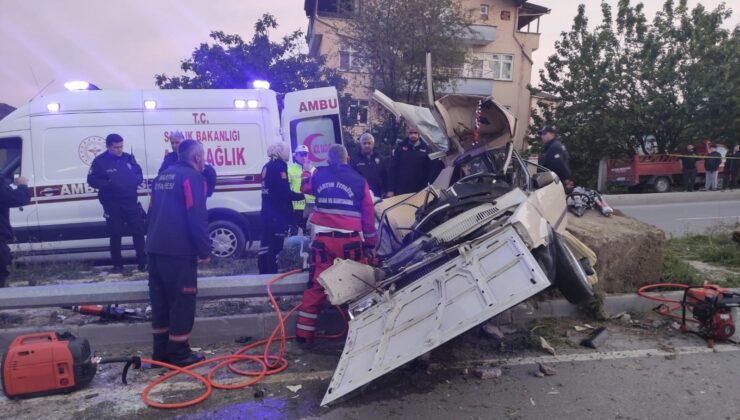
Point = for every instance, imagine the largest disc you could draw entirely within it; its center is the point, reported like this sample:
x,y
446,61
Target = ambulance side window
x,y
318,134
10,157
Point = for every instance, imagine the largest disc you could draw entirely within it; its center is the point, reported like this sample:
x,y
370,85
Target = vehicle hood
x,y
450,127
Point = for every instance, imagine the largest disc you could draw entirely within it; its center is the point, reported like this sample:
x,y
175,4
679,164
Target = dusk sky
x,y
123,44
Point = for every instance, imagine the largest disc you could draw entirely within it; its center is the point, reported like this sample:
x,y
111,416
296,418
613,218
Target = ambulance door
x,y
16,160
311,117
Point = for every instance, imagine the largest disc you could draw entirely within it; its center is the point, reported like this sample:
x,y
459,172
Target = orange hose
x,y
666,310
269,364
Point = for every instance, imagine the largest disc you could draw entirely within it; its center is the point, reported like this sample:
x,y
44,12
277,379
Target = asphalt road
x,y
680,219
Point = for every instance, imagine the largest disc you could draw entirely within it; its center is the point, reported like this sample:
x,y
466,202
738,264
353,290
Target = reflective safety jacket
x,y
343,200
295,172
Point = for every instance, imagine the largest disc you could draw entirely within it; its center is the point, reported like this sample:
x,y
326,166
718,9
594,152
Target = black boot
x,y
159,349
180,354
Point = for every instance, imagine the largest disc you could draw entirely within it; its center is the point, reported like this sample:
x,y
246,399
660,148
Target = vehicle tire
x,y
547,259
662,184
228,239
570,278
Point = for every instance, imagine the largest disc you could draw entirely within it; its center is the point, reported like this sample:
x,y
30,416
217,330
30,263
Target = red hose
x,y
667,310
269,364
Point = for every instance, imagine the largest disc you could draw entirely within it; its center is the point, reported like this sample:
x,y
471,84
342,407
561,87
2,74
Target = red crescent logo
x,y
307,141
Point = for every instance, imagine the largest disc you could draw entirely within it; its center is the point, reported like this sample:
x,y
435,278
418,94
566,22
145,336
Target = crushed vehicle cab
x,y
486,236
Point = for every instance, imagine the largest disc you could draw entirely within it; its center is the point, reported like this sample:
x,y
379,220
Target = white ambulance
x,y
53,139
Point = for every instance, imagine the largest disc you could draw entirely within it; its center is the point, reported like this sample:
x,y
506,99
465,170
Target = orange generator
x,y
46,363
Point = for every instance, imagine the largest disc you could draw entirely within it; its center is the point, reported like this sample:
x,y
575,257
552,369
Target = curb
x,y
260,325
671,198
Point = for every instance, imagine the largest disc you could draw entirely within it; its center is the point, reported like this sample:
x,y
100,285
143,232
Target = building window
x,y
502,66
476,68
484,11
358,111
505,15
348,59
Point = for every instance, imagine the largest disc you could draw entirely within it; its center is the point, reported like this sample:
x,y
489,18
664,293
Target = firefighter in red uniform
x,y
344,227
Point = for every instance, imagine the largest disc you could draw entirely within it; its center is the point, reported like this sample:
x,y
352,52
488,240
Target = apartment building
x,y
502,39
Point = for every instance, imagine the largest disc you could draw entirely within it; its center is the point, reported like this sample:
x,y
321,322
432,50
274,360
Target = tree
x,y
232,63
674,80
391,38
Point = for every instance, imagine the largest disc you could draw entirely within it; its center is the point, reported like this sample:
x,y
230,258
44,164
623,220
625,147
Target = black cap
x,y
548,129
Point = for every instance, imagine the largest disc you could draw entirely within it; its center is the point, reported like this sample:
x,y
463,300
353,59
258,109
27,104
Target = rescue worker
x,y
344,227
688,168
176,240
554,156
301,208
9,197
277,207
171,158
410,165
117,176
370,165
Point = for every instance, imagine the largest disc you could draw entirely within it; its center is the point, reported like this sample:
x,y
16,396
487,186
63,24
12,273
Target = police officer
x,y
344,227
301,208
277,207
177,238
370,165
117,176
9,197
171,158
688,168
554,156
410,165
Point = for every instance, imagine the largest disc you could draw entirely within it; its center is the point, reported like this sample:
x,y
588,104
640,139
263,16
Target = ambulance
x,y
53,139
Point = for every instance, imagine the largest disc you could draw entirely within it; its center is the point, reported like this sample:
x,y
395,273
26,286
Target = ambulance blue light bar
x,y
75,85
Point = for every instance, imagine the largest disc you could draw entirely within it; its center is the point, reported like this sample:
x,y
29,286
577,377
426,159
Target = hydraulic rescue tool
x,y
712,307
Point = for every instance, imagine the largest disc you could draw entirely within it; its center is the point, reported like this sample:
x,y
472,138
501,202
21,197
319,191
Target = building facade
x,y
502,39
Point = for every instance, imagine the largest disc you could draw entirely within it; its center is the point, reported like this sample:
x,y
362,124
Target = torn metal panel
x,y
486,276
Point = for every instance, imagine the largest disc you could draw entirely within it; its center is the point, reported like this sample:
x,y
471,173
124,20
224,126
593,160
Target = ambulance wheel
x,y
228,239
570,278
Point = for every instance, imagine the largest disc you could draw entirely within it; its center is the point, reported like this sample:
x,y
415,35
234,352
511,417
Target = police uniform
x,y
209,173
555,158
117,179
342,218
373,169
9,197
276,213
410,168
176,239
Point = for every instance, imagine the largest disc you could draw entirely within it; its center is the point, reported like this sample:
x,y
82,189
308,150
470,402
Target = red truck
x,y
655,172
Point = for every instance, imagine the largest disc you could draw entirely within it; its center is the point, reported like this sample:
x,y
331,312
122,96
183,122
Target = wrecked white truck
x,y
485,237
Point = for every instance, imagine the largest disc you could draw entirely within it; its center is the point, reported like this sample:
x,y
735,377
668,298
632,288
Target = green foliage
x,y
714,247
391,38
232,63
675,79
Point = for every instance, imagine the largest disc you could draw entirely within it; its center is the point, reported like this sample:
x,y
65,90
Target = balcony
x,y
467,82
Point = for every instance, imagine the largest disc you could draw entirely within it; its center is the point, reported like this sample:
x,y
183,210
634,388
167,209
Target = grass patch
x,y
35,273
713,247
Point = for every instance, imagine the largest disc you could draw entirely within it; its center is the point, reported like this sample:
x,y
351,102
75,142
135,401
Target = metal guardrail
x,y
244,286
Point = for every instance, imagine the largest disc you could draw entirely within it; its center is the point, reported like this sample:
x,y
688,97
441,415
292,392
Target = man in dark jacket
x,y
410,165
688,168
732,167
9,197
711,168
555,157
370,165
176,240
117,176
170,159
277,207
